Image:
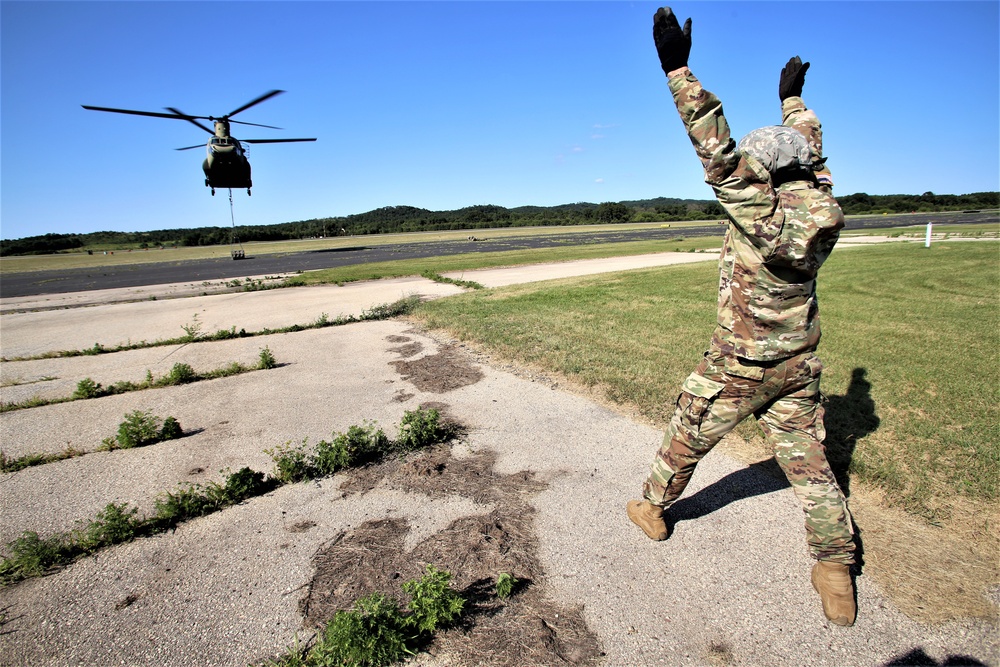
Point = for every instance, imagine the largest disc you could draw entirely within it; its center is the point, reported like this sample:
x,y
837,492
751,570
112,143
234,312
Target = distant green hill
x,y
393,219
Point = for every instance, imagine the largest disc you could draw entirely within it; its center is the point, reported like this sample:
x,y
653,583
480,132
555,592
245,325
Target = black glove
x,y
672,44
793,75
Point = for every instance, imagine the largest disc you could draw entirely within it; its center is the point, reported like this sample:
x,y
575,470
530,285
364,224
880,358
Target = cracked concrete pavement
x,y
732,581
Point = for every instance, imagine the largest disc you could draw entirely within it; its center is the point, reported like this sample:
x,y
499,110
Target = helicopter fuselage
x,y
226,165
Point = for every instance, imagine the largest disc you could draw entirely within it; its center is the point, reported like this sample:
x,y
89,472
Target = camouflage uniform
x,y
761,360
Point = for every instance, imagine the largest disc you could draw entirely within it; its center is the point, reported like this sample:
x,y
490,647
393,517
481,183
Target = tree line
x,y
395,219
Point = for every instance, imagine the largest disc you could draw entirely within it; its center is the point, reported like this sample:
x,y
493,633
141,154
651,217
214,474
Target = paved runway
x,y
135,275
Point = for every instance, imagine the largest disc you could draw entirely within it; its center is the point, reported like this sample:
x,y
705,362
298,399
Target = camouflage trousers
x,y
784,398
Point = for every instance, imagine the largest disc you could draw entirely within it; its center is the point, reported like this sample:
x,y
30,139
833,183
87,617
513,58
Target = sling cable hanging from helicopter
x,y
236,252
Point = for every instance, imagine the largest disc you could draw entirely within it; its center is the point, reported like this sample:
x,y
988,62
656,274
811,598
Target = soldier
x,y
783,224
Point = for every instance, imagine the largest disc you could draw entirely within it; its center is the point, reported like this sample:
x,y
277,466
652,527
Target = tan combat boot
x,y
649,517
833,583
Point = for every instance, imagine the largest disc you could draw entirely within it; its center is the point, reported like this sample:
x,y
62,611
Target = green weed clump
x,y
357,446
378,632
266,360
195,500
141,429
418,429
32,556
505,585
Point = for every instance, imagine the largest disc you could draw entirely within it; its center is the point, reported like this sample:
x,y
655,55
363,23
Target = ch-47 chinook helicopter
x,y
226,165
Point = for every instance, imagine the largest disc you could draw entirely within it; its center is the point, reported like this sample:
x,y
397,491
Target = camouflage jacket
x,y
777,238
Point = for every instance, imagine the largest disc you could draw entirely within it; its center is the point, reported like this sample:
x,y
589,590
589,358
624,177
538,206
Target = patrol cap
x,y
777,147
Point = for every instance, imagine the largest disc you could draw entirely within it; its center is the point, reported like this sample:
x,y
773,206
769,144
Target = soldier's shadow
x,y
849,418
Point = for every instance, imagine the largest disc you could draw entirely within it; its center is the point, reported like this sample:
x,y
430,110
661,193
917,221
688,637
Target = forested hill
x,y
392,219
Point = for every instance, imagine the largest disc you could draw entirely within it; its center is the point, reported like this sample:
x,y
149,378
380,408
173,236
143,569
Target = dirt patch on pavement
x,y
527,628
446,370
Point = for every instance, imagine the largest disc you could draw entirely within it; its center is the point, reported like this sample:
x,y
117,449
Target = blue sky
x,y
449,104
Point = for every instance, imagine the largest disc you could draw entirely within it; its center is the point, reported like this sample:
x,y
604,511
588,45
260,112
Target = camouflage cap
x,y
777,147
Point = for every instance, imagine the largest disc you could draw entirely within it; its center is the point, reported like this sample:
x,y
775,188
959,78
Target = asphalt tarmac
x,y
79,280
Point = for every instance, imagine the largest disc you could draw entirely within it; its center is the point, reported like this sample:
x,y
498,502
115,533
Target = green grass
x,y
923,324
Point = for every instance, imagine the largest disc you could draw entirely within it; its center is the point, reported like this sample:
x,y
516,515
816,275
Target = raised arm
x,y
794,114
741,186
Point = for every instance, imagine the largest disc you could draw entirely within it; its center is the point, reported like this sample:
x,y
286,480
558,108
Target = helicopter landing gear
x,y
213,192
248,192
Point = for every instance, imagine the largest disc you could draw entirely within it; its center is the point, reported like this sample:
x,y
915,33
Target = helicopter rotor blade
x,y
154,114
187,148
265,96
242,122
274,141
190,119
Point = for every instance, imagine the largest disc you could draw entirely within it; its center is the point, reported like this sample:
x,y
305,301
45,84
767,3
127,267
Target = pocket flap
x,y
734,367
702,386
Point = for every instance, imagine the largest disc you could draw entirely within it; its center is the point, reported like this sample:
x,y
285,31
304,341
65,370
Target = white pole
x,y
927,241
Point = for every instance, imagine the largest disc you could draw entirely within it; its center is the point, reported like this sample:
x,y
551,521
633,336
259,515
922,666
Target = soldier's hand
x,y
793,76
673,44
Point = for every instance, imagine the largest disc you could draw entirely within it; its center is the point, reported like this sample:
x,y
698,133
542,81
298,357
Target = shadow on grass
x,y
848,419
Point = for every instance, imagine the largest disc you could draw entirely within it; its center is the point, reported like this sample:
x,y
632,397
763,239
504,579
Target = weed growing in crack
x,y
114,524
266,360
194,500
141,429
291,464
180,373
438,278
193,332
8,464
192,329
32,556
87,388
357,446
